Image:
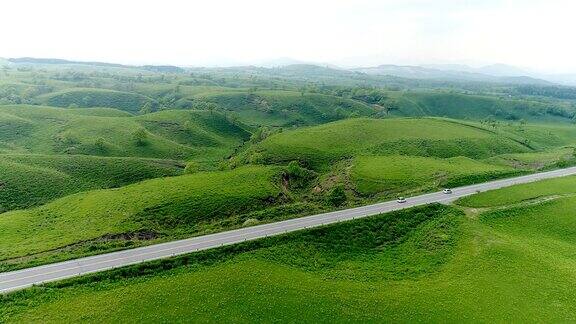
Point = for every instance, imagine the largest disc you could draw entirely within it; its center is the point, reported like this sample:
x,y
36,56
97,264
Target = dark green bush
x,y
337,196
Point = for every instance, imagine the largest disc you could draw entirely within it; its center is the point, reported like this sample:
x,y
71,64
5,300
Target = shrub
x,y
140,137
100,144
337,196
191,167
297,175
295,170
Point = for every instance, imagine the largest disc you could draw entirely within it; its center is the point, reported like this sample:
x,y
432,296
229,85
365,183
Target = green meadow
x,y
394,174
180,135
522,193
99,157
29,180
433,263
288,108
320,145
78,97
107,219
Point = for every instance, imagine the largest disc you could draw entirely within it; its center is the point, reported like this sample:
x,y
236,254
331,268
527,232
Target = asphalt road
x,y
10,281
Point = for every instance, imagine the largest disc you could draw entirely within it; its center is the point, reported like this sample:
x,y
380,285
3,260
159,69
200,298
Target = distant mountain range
x,y
52,61
500,73
454,73
496,73
493,70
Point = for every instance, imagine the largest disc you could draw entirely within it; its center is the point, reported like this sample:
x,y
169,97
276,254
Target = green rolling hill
x,y
434,263
288,108
88,97
141,213
320,145
28,180
399,174
98,157
476,107
182,135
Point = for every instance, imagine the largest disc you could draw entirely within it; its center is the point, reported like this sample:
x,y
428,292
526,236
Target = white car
x,y
401,200
447,191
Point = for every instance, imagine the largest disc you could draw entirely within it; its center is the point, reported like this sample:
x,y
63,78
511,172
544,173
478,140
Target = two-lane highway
x,y
10,281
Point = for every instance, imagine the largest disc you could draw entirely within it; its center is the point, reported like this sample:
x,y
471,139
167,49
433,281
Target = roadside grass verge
x,y
396,174
520,193
404,245
425,264
94,221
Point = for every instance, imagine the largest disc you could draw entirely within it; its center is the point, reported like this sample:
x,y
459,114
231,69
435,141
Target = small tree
x,y
146,108
260,134
87,101
337,196
298,176
295,170
191,167
140,137
100,144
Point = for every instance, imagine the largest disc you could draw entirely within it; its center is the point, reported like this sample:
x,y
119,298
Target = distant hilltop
x,y
154,68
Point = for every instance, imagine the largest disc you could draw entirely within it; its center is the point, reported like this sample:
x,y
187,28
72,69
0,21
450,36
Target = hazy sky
x,y
534,34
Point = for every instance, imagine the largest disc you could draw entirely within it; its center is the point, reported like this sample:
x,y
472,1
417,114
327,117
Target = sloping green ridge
x,y
198,135
429,264
189,204
287,108
30,180
319,145
93,97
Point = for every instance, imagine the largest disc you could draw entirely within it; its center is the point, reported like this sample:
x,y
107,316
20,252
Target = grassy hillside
x,y
99,169
100,112
30,180
319,145
92,97
474,107
202,136
287,108
94,221
430,264
556,157
522,193
543,136
377,174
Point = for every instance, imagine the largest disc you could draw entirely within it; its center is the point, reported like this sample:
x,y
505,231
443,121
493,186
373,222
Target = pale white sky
x,y
533,34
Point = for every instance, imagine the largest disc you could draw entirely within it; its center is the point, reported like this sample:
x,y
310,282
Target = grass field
x,y
471,107
92,160
287,108
429,264
181,135
395,174
85,97
30,180
543,136
320,145
535,160
100,220
521,193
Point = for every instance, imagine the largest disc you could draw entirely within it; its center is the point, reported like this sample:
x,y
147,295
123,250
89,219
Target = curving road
x,y
10,281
